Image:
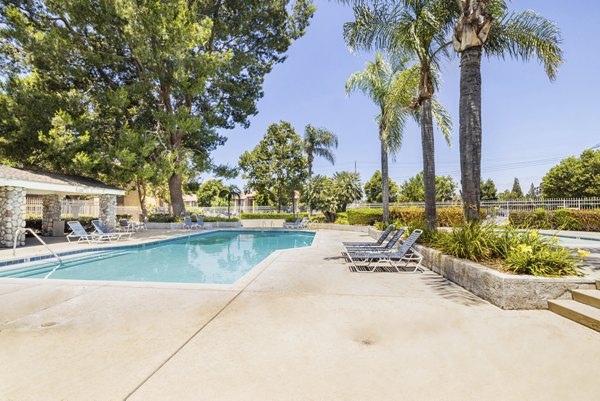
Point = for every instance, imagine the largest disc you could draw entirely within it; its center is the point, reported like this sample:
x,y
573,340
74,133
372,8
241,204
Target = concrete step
x,y
598,284
588,297
576,311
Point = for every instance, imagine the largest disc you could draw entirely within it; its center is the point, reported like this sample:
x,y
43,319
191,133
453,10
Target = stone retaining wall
x,y
506,291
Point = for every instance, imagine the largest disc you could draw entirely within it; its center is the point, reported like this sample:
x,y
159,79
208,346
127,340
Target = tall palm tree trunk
x,y
470,131
385,190
428,163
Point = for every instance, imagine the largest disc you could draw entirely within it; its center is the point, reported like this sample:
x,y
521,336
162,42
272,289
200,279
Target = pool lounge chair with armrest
x,y
187,223
383,248
379,241
77,231
294,224
303,223
199,222
101,229
406,253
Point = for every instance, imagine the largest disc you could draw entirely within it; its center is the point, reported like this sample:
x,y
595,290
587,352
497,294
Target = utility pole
x,y
354,166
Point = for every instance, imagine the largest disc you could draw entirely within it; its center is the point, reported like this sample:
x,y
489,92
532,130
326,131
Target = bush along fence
x,y
562,219
447,217
496,205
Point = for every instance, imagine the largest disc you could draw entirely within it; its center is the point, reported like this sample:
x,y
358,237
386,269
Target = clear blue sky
x,y
529,123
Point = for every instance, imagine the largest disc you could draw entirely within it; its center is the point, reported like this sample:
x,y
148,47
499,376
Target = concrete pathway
x,y
305,328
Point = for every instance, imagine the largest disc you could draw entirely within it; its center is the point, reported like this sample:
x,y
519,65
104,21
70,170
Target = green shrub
x,y
542,261
219,219
470,241
523,252
317,218
364,217
163,218
562,219
123,216
341,218
33,222
261,216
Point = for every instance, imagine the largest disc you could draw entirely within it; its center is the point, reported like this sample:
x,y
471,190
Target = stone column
x,y
50,213
12,208
108,210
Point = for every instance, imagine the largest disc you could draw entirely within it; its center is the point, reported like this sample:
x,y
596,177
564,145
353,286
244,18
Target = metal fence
x,y
509,205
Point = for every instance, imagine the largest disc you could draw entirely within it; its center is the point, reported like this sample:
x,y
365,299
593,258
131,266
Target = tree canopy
x,y
88,80
413,189
277,166
574,177
373,189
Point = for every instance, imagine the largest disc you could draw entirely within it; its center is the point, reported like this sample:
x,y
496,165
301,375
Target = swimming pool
x,y
220,257
569,241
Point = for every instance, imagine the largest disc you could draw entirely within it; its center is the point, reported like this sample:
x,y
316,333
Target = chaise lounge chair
x,y
187,223
299,223
199,222
374,248
101,229
406,253
379,241
77,231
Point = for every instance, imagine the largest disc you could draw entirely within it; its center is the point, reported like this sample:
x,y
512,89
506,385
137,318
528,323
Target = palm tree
x,y
319,142
230,192
418,29
392,86
488,26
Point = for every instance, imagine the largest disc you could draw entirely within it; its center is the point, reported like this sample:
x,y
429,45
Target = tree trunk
x,y
141,190
428,164
176,194
385,190
470,131
310,160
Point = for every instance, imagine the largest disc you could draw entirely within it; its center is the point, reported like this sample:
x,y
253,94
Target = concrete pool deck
x,y
304,328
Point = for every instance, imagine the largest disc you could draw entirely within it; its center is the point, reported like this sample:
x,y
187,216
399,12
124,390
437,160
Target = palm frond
x,y
442,119
527,35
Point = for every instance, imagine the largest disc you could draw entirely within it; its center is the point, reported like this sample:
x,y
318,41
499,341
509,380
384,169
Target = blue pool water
x,y
220,257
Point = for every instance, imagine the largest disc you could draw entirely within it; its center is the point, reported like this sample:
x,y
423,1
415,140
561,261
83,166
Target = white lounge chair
x,y
101,229
77,231
406,253
292,225
379,241
378,248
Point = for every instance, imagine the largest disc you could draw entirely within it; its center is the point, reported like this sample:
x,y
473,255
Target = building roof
x,y
42,182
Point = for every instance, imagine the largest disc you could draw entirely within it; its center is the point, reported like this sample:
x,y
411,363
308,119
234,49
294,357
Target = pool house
x,y
18,183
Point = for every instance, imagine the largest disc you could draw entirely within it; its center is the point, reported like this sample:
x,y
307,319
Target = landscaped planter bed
x,y
507,291
179,226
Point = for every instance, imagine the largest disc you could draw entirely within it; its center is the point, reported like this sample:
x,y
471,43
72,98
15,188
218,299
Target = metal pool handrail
x,y
16,237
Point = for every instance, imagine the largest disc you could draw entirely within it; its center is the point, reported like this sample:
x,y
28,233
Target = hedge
x,y
219,219
447,217
269,216
35,222
562,219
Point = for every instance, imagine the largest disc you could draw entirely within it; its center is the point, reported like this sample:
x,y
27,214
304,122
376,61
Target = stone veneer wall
x,y
50,213
13,208
108,210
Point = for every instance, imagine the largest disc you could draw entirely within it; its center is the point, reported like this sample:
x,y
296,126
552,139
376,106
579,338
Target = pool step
x,y
579,309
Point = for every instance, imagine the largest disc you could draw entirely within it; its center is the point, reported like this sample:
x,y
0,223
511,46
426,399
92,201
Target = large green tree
x,y
276,167
419,29
319,142
488,190
488,26
574,177
413,189
173,70
373,189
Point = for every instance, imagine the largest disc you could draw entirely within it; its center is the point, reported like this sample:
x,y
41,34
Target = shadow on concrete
x,y
452,292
